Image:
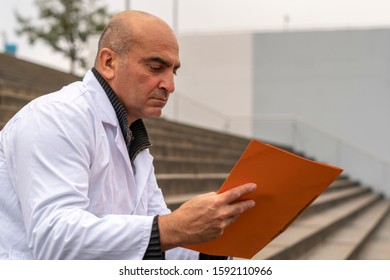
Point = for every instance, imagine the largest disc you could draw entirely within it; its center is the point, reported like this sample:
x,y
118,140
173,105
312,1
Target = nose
x,y
168,82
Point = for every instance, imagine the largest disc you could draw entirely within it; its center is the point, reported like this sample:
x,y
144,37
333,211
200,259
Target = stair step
x,y
172,126
192,165
378,246
174,201
343,243
7,112
195,140
12,98
341,183
341,194
18,90
178,184
169,149
328,199
307,231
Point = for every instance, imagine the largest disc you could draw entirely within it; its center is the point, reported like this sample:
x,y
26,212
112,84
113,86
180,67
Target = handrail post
x,y
176,107
294,134
226,125
338,151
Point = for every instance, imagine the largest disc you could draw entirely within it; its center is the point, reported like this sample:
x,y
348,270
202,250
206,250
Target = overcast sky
x,y
220,16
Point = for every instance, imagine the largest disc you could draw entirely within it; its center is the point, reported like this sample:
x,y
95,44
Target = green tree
x,y
65,26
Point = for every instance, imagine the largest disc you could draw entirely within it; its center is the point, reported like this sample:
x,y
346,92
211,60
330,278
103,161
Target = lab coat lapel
x,y
143,165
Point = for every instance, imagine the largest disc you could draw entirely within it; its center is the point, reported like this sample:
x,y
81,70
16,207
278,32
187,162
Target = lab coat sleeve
x,y
52,151
157,206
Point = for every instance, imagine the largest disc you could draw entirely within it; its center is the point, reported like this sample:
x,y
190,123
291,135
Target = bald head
x,y
138,57
127,29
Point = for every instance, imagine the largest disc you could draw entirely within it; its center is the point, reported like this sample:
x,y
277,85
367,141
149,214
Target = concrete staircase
x,y
348,221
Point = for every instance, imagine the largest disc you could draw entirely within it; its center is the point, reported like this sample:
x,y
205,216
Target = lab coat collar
x,y
104,107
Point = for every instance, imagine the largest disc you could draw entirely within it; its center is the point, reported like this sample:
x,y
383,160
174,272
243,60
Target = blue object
x,y
10,48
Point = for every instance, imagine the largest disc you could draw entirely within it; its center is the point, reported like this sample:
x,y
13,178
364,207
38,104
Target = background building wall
x,y
328,94
338,79
214,83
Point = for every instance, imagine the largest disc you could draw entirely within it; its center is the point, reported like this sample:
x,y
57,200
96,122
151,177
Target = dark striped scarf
x,y
135,135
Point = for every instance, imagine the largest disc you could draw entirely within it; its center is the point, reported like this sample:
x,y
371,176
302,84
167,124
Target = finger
x,y
235,193
207,194
237,209
240,207
232,219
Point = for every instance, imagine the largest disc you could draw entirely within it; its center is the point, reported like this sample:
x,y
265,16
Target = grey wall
x,y
337,80
214,83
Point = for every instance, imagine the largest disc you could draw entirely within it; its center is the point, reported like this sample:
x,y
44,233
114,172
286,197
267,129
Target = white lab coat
x,y
67,187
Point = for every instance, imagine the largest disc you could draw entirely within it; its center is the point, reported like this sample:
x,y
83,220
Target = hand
x,y
204,217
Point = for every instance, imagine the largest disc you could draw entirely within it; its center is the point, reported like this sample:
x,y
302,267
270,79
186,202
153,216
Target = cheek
x,y
149,83
137,87
142,82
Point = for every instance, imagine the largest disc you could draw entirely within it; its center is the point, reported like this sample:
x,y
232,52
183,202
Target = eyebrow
x,y
161,60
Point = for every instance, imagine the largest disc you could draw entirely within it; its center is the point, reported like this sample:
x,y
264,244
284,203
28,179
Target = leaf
x,y
64,25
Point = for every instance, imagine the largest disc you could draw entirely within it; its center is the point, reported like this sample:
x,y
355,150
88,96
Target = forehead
x,y
157,40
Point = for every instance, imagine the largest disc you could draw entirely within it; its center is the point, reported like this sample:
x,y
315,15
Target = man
x,y
77,182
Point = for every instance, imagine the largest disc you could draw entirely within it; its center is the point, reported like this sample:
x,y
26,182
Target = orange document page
x,y
286,185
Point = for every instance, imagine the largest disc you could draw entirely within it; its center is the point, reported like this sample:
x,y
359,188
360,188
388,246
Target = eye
x,y
156,68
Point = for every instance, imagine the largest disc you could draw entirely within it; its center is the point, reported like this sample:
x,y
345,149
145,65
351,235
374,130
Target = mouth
x,y
160,102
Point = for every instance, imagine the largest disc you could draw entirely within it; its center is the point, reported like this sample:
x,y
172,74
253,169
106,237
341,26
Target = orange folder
x,y
286,185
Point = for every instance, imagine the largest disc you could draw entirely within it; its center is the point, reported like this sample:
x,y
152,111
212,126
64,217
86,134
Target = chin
x,y
154,114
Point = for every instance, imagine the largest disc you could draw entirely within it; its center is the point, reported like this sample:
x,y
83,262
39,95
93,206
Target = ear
x,y
108,63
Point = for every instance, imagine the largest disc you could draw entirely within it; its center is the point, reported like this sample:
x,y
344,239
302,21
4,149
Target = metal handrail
x,y
382,180
296,122
277,117
200,105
